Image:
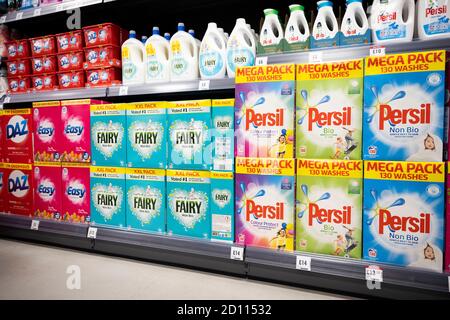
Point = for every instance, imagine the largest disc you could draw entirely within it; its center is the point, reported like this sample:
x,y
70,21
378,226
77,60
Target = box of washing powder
x,y
329,110
3,188
447,225
76,199
19,197
223,134
403,221
404,107
222,206
17,128
47,133
265,111
329,207
48,191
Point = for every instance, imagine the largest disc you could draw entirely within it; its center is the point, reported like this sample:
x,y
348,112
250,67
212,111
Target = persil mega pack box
x,y
447,225
17,127
404,107
19,179
48,131
264,111
403,221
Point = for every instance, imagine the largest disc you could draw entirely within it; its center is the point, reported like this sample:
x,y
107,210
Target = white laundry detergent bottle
x,y
157,58
271,31
133,60
297,29
392,20
241,47
326,25
167,36
355,22
433,19
192,33
213,52
144,39
183,56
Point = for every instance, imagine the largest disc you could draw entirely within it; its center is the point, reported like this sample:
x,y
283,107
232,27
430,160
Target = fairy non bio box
x,y
188,203
265,111
223,134
146,199
108,132
47,190
222,206
265,202
329,207
17,127
189,144
76,198
19,179
147,135
108,196
404,107
329,110
403,222
48,131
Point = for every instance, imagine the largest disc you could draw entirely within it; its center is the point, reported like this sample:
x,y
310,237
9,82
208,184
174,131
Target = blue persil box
x,y
404,107
223,134
403,221
222,206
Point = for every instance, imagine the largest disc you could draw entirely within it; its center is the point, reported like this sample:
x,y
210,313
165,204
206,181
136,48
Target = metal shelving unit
x,y
56,95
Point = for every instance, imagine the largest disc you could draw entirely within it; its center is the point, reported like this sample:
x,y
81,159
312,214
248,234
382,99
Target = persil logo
x,y
334,118
94,77
434,10
266,212
419,224
407,116
266,119
92,36
17,129
18,184
337,216
386,16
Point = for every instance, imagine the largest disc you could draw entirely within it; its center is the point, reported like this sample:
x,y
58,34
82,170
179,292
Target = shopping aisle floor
x,y
30,271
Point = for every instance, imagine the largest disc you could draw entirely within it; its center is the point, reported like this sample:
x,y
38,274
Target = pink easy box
x,y
47,131
47,191
76,192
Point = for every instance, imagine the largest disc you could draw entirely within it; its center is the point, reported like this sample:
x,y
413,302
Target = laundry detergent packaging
x,y
76,199
19,197
404,107
3,188
223,134
329,110
222,206
403,221
264,111
447,226
48,131
17,128
48,190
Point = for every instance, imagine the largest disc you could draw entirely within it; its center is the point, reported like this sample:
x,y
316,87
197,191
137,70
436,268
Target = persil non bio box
x,y
222,206
223,134
19,179
264,111
404,107
17,127
48,131
403,221
48,190
265,202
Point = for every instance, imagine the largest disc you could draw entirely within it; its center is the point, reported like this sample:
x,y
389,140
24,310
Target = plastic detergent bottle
x,y
144,39
167,36
213,50
297,29
392,20
241,47
433,19
326,25
133,60
183,56
156,58
355,22
271,31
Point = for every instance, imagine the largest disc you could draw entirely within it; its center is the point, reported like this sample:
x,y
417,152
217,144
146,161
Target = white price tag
x,y
34,224
316,57
73,4
123,91
261,61
19,15
203,85
237,253
3,19
59,7
92,233
37,12
7,99
303,263
374,273
377,51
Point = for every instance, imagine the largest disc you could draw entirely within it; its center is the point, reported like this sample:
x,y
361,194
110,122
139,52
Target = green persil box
x,y
108,127
222,206
223,134
329,207
189,123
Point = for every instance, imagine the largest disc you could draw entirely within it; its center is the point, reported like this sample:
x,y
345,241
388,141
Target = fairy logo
x,y
265,119
266,212
405,116
334,118
411,224
338,216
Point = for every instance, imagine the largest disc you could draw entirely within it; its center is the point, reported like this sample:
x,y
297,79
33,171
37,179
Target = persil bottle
x,y
271,31
325,25
355,21
297,29
433,19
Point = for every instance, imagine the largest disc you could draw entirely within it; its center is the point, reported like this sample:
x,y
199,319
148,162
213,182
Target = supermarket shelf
x,y
56,95
45,10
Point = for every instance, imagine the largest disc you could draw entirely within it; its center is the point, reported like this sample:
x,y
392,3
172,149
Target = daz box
x,y
47,131
76,199
3,188
222,206
47,191
17,136
223,134
403,220
19,199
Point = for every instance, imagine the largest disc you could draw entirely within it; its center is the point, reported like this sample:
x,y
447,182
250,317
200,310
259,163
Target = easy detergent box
x,y
222,206
3,188
188,203
404,107
48,131
108,131
147,135
329,207
19,179
403,221
47,190
264,111
17,128
265,202
189,123
329,110
76,199
146,199
223,134
108,196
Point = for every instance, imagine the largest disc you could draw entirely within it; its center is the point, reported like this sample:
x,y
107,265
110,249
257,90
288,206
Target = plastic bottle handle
x,y
411,10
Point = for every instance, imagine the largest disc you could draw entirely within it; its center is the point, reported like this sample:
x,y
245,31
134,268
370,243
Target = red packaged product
x,y
69,41
18,49
70,61
20,67
44,64
103,77
102,34
3,187
19,194
17,125
42,46
71,79
19,84
44,82
102,56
